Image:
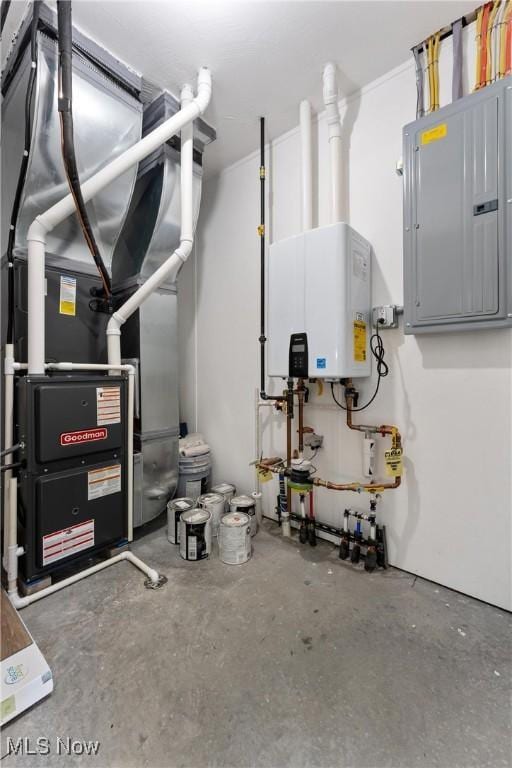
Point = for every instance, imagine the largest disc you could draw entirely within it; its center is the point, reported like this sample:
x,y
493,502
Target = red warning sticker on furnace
x,y
83,436
68,541
108,405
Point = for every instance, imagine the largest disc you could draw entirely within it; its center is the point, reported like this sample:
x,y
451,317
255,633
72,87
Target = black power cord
x,y
378,351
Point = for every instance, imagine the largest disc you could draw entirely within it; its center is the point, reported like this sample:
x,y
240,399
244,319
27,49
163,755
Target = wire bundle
x,y
493,42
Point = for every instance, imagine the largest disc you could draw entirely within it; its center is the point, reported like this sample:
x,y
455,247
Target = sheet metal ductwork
x,y
150,234
108,120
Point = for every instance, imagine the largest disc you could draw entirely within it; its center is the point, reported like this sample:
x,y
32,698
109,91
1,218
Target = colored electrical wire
x,y
437,38
478,39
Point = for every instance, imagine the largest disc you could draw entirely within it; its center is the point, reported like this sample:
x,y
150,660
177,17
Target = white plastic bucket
x,y
194,475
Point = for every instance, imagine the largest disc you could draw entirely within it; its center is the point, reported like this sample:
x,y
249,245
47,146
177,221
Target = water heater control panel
x,y
298,357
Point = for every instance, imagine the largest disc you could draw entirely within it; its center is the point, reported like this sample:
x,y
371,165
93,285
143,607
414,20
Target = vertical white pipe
x,y
330,92
8,433
12,536
129,456
306,165
36,299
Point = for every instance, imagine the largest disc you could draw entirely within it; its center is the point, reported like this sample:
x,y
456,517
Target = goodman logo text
x,y
83,436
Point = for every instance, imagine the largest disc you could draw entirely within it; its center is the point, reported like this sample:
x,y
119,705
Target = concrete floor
x,y
294,659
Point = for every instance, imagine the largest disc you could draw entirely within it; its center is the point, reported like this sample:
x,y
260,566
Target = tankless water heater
x,y
319,311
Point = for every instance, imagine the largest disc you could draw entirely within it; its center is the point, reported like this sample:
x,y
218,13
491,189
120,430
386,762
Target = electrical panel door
x,y
457,245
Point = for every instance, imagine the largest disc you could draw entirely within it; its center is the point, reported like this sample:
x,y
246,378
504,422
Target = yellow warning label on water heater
x,y
393,458
67,299
434,134
359,341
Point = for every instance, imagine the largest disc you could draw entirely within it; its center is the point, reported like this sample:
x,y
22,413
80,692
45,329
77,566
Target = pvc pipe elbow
x,y
184,249
37,231
204,88
114,325
330,85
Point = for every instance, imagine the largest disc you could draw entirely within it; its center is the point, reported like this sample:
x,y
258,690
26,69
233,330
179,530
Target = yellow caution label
x,y
67,300
393,459
264,475
434,134
359,341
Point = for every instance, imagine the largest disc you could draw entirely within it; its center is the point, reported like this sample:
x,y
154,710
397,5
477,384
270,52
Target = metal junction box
x,y
458,214
73,481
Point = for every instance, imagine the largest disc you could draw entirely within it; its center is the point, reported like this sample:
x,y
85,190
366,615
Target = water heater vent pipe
x,y
334,129
306,165
170,268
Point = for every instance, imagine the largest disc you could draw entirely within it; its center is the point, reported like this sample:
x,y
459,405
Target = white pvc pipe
x,y
21,602
330,92
8,433
306,165
44,223
170,268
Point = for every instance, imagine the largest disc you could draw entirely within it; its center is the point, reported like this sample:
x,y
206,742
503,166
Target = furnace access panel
x,y
73,481
458,214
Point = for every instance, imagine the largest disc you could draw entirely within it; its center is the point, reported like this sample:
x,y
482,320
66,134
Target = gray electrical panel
x,y
458,214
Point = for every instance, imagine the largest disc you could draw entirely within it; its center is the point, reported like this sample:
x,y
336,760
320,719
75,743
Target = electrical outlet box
x,y
319,284
386,315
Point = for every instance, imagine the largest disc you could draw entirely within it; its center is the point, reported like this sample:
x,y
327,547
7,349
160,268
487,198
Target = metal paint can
x,y
214,503
195,534
247,505
174,510
227,490
235,538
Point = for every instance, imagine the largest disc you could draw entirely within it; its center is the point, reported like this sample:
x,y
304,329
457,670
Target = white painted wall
x,y
450,394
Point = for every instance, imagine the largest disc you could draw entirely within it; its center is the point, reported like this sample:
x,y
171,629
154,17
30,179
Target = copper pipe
x,y
383,429
357,487
300,397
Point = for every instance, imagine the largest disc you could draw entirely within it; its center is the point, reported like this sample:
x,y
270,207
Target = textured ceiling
x,y
265,56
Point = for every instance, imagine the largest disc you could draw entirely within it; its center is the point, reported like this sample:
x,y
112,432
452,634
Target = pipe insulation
x,y
65,44
330,91
45,222
306,165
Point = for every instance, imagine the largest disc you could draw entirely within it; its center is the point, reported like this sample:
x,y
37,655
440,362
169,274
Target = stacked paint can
x,y
227,490
214,503
247,505
195,534
174,511
235,538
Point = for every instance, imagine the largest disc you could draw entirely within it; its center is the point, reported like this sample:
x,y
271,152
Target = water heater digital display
x,y
298,356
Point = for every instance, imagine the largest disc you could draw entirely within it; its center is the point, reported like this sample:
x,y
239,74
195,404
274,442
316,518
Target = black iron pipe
x,y
261,232
65,43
